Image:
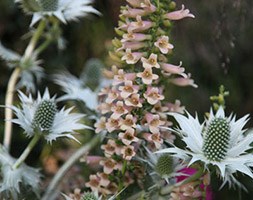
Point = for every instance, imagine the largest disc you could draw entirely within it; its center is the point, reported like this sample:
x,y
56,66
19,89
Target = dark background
x,y
216,48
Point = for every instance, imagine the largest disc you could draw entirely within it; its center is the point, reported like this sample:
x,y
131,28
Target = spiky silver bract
x,y
197,136
31,72
12,180
76,90
62,124
64,10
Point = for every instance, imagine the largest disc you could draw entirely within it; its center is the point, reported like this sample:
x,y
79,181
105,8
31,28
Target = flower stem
x,y
12,83
27,151
8,102
67,165
35,38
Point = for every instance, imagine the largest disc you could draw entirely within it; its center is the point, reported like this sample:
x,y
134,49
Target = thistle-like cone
x,y
216,140
89,196
164,165
48,5
92,73
44,115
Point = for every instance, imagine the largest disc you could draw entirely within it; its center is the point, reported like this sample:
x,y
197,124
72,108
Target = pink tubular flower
x,y
128,136
112,95
163,44
155,139
128,89
184,81
179,14
153,122
108,165
134,101
152,95
135,3
173,69
139,25
100,125
94,183
150,62
121,76
131,57
109,148
128,122
176,107
128,152
112,124
104,179
134,12
118,109
135,37
104,108
147,76
132,45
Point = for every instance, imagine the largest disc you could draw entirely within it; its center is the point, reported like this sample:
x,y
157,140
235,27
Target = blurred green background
x,y
216,48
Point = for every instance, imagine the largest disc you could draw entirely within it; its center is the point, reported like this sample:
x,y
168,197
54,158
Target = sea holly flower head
x,y
220,141
164,165
64,10
42,116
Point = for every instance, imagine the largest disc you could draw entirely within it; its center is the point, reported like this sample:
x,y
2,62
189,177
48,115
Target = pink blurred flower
x,y
173,69
108,165
112,124
128,136
128,152
150,62
136,37
153,95
163,44
181,81
100,125
121,77
154,139
118,109
128,89
128,122
147,76
109,148
179,14
132,45
153,122
139,25
134,101
131,57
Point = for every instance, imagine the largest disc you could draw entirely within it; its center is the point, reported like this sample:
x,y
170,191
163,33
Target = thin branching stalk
x,y
8,102
12,84
67,165
27,151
